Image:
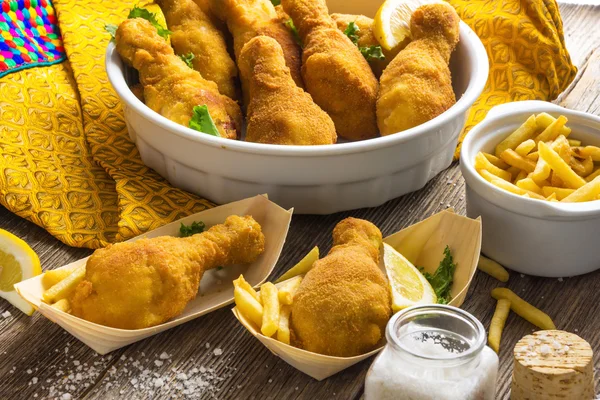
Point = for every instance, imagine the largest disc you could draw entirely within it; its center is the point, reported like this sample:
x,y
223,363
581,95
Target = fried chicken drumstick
x,y
335,73
343,303
279,111
139,284
193,32
416,86
171,88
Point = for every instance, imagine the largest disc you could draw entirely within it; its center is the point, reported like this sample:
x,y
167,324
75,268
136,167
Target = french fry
x,y
582,168
287,290
64,288
241,283
270,303
524,309
561,146
248,305
529,184
303,265
482,163
502,184
541,172
553,130
496,161
560,167
552,197
561,193
521,175
493,269
488,176
524,132
524,148
587,192
497,325
593,175
556,181
514,172
587,151
62,305
53,276
533,156
515,160
544,120
574,143
283,331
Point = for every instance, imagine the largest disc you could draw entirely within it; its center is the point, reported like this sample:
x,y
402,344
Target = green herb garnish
x,y
290,24
187,59
202,121
195,227
112,30
276,2
442,278
137,12
369,53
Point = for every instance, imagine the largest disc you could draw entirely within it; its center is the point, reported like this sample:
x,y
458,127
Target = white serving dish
x,y
216,288
314,179
530,236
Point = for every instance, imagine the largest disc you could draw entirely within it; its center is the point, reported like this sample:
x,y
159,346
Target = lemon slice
x,y
17,263
391,25
409,286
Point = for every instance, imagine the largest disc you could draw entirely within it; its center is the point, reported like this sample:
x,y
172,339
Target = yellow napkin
x,y
525,45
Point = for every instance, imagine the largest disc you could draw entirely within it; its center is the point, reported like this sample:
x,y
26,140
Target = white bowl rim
x,y
510,201
479,66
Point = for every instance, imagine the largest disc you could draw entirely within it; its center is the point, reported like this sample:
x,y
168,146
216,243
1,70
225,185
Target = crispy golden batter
x,y
250,18
366,38
279,111
171,88
417,87
335,73
147,282
343,303
193,32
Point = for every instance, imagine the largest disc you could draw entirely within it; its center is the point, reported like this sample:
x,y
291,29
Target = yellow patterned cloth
x,y
68,165
526,49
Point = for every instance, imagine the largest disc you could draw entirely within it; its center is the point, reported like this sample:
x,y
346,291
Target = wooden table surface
x,y
220,359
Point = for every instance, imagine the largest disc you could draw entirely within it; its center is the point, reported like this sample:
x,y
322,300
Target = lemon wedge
x,y
409,286
17,263
391,24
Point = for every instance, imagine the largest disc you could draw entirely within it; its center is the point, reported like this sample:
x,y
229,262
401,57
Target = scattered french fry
x,y
53,276
270,303
524,309
62,305
241,282
496,161
561,193
524,132
524,148
560,167
482,163
497,325
544,120
283,331
248,305
515,160
64,288
587,192
493,269
303,265
286,291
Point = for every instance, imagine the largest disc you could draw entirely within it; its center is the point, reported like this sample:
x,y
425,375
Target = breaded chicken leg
x,y
343,303
279,111
416,86
250,18
135,285
193,32
171,88
335,73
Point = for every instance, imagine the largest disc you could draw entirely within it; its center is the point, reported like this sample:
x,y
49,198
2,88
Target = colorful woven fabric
x,y
29,35
526,49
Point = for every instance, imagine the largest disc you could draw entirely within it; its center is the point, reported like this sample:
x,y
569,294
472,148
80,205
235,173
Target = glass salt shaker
x,y
433,352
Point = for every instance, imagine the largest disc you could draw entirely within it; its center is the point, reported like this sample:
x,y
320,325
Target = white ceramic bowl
x,y
314,179
531,236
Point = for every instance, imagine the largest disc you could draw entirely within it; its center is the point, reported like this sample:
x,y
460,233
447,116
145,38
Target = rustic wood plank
x,y
245,369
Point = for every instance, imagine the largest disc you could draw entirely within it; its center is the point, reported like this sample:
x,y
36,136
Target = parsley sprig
x,y
369,53
441,280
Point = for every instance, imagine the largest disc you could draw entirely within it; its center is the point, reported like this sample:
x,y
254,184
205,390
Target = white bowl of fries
x,y
537,219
